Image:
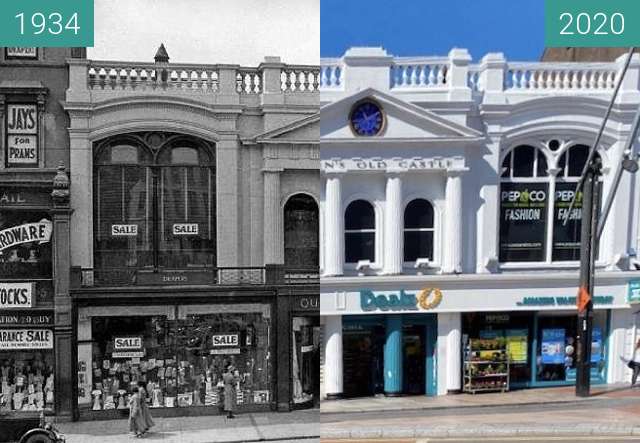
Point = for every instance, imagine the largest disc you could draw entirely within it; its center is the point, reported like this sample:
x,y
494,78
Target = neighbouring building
x,y
194,244
35,308
445,263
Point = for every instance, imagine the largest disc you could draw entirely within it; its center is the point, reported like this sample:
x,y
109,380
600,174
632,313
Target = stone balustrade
x,y
449,77
419,72
126,76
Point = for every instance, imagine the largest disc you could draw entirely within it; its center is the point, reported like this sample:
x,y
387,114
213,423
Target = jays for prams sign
x,y
22,134
425,299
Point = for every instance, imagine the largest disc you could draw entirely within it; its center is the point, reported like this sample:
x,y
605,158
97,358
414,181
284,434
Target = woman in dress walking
x,y
230,379
140,420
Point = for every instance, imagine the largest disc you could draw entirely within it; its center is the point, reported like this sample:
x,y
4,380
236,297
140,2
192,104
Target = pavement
x,y
300,426
612,411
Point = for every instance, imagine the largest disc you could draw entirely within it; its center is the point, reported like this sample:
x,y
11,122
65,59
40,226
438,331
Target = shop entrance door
x,y
363,360
414,352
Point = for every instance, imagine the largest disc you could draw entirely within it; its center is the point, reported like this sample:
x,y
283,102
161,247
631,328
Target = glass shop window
x,y
25,244
27,381
181,362
301,225
360,232
306,361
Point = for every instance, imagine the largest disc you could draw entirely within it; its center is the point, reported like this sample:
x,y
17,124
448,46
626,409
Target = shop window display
x,y
306,355
27,381
556,348
25,244
181,362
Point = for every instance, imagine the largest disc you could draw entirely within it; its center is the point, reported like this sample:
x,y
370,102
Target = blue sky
x,y
429,27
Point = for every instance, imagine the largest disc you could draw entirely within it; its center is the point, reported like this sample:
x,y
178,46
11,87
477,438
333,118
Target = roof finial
x,y
161,55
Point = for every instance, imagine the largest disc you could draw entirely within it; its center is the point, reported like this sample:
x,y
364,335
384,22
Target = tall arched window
x,y
523,205
359,232
528,217
418,230
154,202
301,226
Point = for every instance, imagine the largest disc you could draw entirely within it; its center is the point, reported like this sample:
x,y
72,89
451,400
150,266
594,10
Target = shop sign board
x,y
22,52
562,301
225,340
26,339
23,197
127,354
124,230
16,295
224,351
18,319
185,229
425,299
39,232
309,303
120,343
174,277
633,294
553,346
22,134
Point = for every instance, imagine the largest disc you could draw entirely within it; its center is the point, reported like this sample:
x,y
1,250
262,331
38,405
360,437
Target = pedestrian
x,y
230,379
140,420
633,363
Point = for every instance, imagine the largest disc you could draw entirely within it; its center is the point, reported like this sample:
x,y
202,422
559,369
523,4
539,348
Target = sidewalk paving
x,y
272,426
554,395
612,410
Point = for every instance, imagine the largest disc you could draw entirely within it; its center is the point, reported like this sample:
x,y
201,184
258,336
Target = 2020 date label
x,y
592,23
43,23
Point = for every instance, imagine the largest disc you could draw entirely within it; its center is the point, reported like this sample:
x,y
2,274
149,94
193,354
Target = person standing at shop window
x,y
633,363
230,380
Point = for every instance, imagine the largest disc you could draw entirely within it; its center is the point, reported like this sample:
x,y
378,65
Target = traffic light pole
x,y
588,253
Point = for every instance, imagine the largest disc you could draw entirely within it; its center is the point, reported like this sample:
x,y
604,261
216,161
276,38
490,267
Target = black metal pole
x,y
588,254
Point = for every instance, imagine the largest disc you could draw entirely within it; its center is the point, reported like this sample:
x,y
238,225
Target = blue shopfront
x,y
389,353
541,344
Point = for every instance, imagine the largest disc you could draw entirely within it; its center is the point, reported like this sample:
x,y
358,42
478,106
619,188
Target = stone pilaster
x,y
273,223
227,202
334,231
333,366
454,348
393,356
393,226
452,260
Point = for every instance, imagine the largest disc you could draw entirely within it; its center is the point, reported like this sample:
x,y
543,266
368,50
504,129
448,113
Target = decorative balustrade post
x,y
630,88
228,93
272,69
492,77
78,90
458,74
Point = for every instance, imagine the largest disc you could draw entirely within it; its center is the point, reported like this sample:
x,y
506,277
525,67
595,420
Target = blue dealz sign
x,y
427,298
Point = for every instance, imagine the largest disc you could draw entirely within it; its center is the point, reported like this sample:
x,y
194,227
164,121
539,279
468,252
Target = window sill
x,y
519,266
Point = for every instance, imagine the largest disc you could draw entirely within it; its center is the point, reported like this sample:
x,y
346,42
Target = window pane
x,y
301,232
506,165
124,154
359,215
523,214
359,246
418,214
123,230
523,161
184,156
542,165
186,224
577,158
418,245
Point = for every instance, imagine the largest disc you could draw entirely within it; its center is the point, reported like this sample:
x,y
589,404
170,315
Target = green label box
x,y
46,23
592,23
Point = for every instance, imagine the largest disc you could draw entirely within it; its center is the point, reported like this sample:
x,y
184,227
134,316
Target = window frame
x,y
553,159
432,260
374,231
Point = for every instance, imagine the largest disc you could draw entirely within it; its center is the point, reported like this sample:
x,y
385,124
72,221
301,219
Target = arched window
x,y
301,226
154,202
359,232
418,230
523,205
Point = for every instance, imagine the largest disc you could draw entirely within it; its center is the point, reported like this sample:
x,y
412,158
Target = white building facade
x,y
444,185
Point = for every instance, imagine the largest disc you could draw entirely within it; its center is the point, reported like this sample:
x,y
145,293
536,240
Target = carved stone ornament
x,y
60,191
